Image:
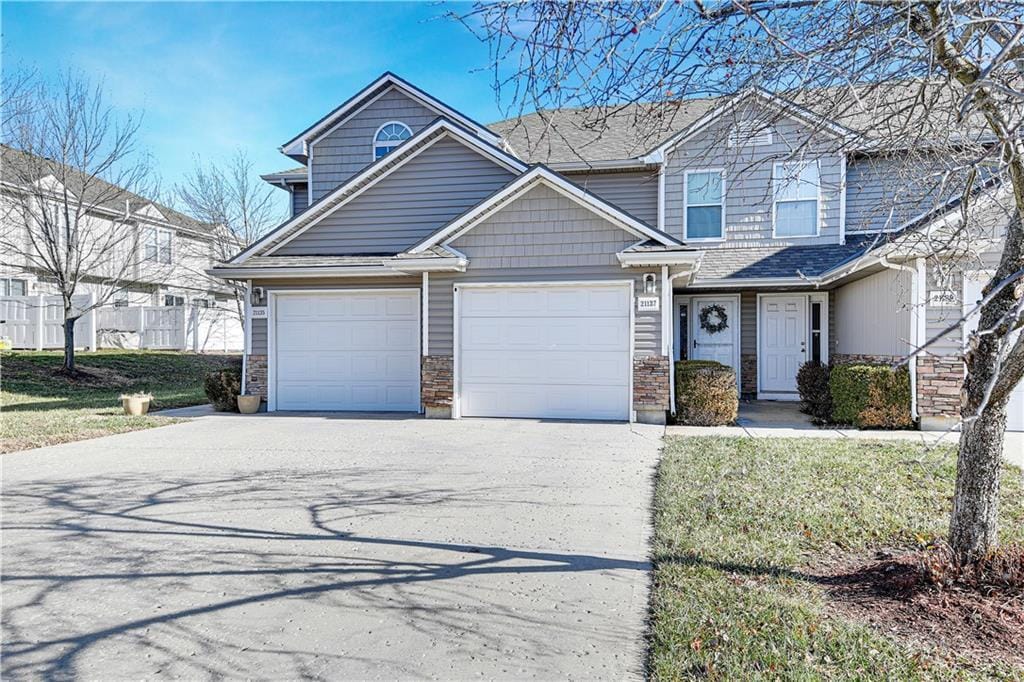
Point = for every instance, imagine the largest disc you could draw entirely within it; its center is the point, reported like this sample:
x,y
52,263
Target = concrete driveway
x,y
324,547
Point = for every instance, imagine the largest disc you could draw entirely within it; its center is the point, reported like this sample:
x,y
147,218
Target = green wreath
x,y
705,319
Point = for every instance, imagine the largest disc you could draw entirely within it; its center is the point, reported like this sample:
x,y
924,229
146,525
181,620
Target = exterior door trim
x,y
457,286
768,395
736,328
272,297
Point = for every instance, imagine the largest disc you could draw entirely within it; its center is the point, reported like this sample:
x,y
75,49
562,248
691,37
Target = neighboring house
x,y
170,269
522,270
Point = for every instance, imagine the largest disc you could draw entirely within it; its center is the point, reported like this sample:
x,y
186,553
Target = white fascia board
x,y
755,282
784,107
299,145
395,268
614,164
520,186
403,154
690,258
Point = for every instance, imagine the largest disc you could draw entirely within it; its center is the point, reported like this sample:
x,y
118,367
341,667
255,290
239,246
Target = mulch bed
x,y
887,592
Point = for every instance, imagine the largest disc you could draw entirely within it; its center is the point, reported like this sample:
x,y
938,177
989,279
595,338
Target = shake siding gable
x,y
748,181
540,237
413,201
340,153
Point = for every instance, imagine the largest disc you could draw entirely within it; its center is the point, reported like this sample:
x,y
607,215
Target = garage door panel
x,y
557,351
347,351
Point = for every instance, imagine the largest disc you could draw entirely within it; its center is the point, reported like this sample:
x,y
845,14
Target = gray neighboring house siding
x,y
540,237
340,153
748,181
880,194
404,207
635,192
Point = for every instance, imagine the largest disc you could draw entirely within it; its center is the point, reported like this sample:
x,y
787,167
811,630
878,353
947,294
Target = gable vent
x,y
749,133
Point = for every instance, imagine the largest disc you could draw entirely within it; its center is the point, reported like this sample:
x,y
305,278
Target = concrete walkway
x,y
767,419
330,547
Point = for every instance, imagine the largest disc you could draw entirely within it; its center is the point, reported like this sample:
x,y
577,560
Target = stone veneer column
x,y
651,388
256,375
437,386
939,382
748,374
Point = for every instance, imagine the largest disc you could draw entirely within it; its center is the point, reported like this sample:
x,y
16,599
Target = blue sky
x,y
213,77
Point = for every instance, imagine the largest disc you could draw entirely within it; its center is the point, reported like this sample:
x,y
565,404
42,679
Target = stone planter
x,y
136,405
249,404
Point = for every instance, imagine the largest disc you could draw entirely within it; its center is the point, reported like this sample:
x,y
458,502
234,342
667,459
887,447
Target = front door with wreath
x,y
715,329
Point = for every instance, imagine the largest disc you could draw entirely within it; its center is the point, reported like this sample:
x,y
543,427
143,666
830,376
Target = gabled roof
x,y
535,176
781,105
440,129
297,146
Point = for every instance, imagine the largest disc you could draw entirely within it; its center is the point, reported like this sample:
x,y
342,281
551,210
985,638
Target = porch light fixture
x,y
650,283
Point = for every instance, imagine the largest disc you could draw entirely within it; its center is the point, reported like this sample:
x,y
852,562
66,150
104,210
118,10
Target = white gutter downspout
x,y
247,327
919,312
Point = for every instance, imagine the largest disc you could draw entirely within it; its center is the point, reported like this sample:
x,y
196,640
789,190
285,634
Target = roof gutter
x,y
304,271
609,165
656,258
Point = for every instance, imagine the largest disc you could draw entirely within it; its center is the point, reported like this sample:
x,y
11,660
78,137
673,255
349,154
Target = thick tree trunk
x,y
973,529
69,345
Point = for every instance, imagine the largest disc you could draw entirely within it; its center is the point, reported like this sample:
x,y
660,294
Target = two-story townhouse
x,y
530,269
169,268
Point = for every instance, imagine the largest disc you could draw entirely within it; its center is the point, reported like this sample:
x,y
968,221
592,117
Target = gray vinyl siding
x,y
540,237
404,207
339,154
884,192
259,327
748,182
873,314
940,317
634,192
300,197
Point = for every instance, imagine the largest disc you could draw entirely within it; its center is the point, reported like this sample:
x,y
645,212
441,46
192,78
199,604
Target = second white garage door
x,y
355,350
552,351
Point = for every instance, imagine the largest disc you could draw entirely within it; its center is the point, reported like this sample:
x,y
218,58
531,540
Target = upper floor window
x,y
796,199
13,287
704,192
157,245
173,301
389,136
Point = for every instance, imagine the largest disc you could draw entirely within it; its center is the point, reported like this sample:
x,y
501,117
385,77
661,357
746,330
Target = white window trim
x,y
391,147
155,233
9,280
687,205
817,199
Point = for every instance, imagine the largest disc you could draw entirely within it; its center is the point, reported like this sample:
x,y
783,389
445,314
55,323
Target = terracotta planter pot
x,y
249,404
135,406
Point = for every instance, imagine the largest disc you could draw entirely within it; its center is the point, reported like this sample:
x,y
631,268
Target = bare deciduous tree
x,y
72,173
936,85
240,206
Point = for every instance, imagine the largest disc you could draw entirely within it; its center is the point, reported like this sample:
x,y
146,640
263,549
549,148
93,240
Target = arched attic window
x,y
389,136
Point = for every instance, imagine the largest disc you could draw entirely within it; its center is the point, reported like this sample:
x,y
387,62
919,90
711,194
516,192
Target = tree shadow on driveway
x,y
221,577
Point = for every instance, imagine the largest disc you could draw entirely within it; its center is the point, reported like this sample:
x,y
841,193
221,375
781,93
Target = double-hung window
x,y
704,191
13,287
796,189
158,245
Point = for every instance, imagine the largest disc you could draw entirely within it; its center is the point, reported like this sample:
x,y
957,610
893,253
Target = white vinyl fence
x,y
201,330
37,322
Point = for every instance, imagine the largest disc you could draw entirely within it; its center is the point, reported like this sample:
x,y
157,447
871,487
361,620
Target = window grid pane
x,y
703,189
796,218
703,222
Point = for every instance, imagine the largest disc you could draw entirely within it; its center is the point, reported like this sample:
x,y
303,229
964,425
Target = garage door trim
x,y
456,348
272,297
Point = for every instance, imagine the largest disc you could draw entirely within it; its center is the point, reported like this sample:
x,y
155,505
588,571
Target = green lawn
x,y
40,407
738,521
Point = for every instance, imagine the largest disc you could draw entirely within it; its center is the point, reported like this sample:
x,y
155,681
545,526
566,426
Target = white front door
x,y
346,350
782,344
973,284
551,351
715,330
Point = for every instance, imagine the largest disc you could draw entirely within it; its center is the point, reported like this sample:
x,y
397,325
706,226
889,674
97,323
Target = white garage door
x,y
972,294
354,350
551,351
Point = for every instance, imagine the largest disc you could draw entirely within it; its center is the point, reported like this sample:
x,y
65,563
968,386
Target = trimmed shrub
x,y
870,396
815,396
222,388
706,393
